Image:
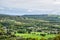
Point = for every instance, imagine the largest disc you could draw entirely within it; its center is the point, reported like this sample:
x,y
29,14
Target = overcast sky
x,y
20,7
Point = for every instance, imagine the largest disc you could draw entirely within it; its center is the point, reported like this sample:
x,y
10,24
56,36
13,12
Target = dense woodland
x,y
26,24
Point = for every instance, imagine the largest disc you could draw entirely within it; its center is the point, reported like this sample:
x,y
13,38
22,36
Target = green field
x,y
35,35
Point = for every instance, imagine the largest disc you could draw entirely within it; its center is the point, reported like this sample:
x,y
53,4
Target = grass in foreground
x,y
35,35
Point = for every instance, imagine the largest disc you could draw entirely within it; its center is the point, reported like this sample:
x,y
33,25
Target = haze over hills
x,y
47,17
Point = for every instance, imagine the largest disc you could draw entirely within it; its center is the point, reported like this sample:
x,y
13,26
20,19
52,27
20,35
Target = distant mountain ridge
x,y
46,17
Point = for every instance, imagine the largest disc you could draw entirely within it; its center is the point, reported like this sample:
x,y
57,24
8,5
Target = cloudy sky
x,y
20,7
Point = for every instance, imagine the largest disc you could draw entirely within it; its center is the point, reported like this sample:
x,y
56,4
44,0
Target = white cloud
x,y
31,5
2,8
56,2
29,10
27,3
